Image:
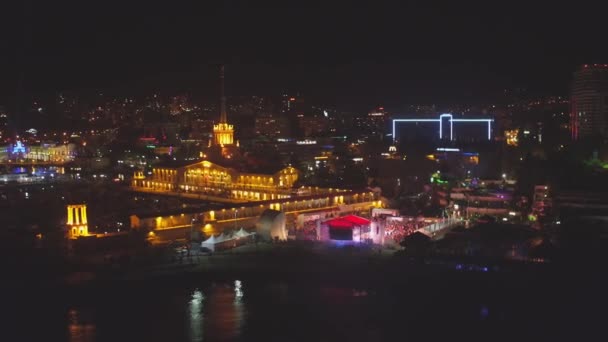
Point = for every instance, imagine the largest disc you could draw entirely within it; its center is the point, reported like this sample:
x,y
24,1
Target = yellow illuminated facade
x,y
511,136
211,179
42,153
77,221
51,153
139,175
223,134
216,221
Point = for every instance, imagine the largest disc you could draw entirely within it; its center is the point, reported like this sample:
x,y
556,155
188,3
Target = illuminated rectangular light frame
x,y
411,120
489,121
452,120
441,125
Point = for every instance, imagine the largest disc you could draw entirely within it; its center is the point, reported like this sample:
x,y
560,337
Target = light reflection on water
x,y
226,313
219,315
270,310
238,291
196,316
37,170
79,330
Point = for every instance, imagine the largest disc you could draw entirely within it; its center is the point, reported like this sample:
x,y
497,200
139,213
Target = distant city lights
x,y
306,142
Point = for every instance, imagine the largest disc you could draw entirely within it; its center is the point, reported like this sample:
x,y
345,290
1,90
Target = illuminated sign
x,y
450,118
306,142
18,147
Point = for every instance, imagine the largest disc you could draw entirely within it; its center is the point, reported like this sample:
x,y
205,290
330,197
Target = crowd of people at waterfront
x,y
397,230
308,231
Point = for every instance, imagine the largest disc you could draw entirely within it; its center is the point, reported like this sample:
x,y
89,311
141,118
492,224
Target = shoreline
x,y
287,262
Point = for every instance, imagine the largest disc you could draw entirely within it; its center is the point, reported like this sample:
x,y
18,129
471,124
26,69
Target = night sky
x,y
341,53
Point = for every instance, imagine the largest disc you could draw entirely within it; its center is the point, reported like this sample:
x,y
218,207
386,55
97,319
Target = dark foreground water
x,y
301,310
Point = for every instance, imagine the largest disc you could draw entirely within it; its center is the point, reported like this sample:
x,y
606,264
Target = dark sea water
x,y
299,310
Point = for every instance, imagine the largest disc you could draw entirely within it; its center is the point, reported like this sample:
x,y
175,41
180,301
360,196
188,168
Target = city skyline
x,y
303,171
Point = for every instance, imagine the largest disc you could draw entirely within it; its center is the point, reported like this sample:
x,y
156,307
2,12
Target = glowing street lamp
x,y
235,212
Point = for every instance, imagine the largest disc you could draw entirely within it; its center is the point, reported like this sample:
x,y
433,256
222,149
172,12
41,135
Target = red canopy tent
x,y
342,228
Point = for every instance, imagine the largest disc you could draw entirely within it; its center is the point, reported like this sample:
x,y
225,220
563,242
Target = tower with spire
x,y
223,133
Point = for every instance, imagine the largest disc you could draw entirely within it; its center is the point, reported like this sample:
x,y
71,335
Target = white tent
x,y
210,243
223,237
226,241
242,233
242,237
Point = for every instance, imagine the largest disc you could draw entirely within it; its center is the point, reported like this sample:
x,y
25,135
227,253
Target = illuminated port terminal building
x,y
211,179
447,126
245,196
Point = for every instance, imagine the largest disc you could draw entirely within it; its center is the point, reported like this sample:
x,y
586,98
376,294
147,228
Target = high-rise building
x,y
223,133
3,119
312,126
292,104
589,99
272,126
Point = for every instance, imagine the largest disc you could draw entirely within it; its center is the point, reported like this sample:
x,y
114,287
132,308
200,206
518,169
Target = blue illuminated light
x,y
441,125
18,148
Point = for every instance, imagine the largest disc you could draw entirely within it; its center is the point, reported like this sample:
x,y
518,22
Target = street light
x,y
192,228
235,212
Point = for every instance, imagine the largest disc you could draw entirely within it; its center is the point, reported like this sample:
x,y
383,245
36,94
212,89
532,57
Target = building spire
x,y
223,116
223,133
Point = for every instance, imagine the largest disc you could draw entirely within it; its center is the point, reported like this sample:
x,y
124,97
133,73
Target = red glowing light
x,y
292,99
349,222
